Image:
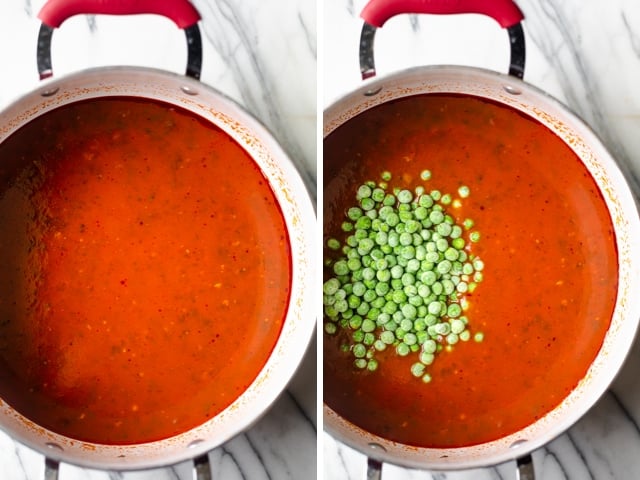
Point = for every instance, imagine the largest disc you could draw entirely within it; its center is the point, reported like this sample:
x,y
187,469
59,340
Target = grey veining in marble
x,y
261,54
587,55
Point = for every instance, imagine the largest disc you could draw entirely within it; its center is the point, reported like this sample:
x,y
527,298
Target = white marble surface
x,y
262,54
586,53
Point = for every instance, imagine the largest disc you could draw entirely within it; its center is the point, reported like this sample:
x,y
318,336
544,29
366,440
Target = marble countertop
x,y
587,55
261,54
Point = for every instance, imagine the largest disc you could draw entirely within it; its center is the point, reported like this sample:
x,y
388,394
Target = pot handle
x,y
202,468
505,12
181,12
51,468
525,468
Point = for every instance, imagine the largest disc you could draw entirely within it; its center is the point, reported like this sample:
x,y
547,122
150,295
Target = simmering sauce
x,y
144,270
550,274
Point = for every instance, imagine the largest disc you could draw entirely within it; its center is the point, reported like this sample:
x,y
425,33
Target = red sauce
x,y
144,271
550,275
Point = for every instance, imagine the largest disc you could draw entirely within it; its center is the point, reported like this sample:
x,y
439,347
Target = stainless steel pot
x,y
511,91
294,200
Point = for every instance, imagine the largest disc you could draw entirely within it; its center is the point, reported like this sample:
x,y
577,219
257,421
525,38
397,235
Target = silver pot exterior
x,y
514,93
299,215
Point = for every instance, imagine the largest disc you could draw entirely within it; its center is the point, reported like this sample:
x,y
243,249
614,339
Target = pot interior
x,y
297,212
623,214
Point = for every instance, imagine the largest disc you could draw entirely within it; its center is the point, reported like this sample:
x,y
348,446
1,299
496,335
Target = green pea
x,y
454,310
331,286
405,196
415,300
377,194
354,213
363,308
408,252
333,244
436,217
403,349
410,339
368,325
457,326
442,245
354,264
458,243
368,340
434,308
406,324
364,191
430,319
389,200
392,219
390,307
360,363
410,290
363,223
359,350
427,358
408,279
387,337
353,301
417,369
330,328
409,311
442,328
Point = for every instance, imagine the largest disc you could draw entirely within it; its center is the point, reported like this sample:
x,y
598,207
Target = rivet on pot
x,y
512,90
189,90
49,92
377,447
54,446
195,443
371,93
517,444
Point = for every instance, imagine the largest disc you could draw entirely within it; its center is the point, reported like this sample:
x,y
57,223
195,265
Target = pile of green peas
x,y
402,275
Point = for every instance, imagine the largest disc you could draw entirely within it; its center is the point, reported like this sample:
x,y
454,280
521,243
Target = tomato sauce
x,y
144,270
550,275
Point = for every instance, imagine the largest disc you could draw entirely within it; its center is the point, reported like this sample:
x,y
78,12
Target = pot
x,y
292,197
508,90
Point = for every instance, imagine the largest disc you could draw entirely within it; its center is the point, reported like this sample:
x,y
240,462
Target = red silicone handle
x,y
181,12
505,12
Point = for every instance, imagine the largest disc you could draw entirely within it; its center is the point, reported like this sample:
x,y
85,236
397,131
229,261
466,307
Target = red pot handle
x,y
505,12
181,12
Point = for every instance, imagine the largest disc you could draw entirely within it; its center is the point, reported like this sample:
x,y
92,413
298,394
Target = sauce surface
x,y
144,270
550,275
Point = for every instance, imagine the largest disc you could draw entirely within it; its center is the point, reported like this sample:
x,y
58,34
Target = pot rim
x,y
297,209
576,133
